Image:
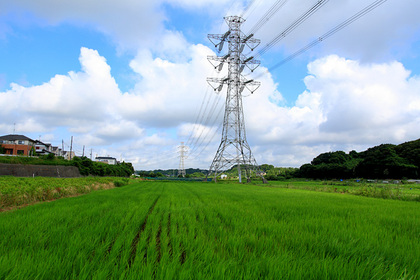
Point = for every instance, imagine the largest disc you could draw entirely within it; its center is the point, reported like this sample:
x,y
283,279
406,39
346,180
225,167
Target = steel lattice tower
x,y
233,148
182,151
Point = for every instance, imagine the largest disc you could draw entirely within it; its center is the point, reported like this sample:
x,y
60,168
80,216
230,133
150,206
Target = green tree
x,y
331,165
338,157
88,167
411,152
198,175
266,167
383,162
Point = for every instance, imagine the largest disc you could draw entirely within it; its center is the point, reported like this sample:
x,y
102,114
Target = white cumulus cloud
x,y
80,101
347,105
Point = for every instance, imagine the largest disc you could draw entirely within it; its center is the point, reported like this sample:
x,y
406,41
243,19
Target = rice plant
x,y
191,230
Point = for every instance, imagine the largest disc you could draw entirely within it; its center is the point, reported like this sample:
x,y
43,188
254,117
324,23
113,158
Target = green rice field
x,y
195,230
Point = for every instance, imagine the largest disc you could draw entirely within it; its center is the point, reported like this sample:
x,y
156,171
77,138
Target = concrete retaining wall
x,y
28,170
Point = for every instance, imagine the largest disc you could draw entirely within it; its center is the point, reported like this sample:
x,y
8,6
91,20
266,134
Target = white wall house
x,y
42,148
108,160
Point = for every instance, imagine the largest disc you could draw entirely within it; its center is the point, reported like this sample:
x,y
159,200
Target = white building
x,y
107,160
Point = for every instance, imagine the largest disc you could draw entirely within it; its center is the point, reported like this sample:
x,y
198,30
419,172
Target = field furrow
x,y
138,234
168,234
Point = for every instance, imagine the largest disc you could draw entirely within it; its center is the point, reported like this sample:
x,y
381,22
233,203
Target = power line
x,y
293,26
266,17
210,139
198,116
204,116
255,5
200,143
209,117
247,7
328,34
204,113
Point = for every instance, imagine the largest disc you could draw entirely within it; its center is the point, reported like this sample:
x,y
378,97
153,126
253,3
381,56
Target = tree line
x,y
189,173
386,161
380,162
93,168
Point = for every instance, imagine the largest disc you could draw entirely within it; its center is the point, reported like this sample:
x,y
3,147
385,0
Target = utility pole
x,y
182,150
233,148
83,154
71,146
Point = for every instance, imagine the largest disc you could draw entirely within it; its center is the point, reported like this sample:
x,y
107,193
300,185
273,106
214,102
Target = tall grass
x,y
16,191
190,230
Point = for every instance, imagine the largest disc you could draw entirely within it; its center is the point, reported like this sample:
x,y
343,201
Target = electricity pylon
x,y
182,150
233,148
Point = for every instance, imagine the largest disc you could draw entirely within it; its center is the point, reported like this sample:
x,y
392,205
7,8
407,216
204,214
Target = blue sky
x,y
128,79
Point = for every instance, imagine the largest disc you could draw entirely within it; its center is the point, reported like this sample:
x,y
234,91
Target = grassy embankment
x,y
15,191
42,160
191,230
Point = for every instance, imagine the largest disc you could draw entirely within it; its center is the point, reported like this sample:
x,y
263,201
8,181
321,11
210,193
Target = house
x,y
67,155
15,144
223,176
57,151
43,148
108,160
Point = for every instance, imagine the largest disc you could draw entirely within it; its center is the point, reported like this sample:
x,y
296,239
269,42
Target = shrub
x,y
121,182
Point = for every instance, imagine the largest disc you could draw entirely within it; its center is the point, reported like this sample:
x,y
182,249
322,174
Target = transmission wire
x,y
198,116
205,135
328,34
247,7
266,17
292,27
214,134
204,124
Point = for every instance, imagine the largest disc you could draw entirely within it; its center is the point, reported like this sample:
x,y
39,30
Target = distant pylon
x,y
233,148
182,150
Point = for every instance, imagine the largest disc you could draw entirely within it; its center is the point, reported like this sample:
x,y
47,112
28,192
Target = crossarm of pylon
x,y
251,63
217,83
219,61
252,85
218,39
252,43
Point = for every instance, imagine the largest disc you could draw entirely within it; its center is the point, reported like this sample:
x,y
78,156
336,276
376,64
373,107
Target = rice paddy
x,y
194,230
